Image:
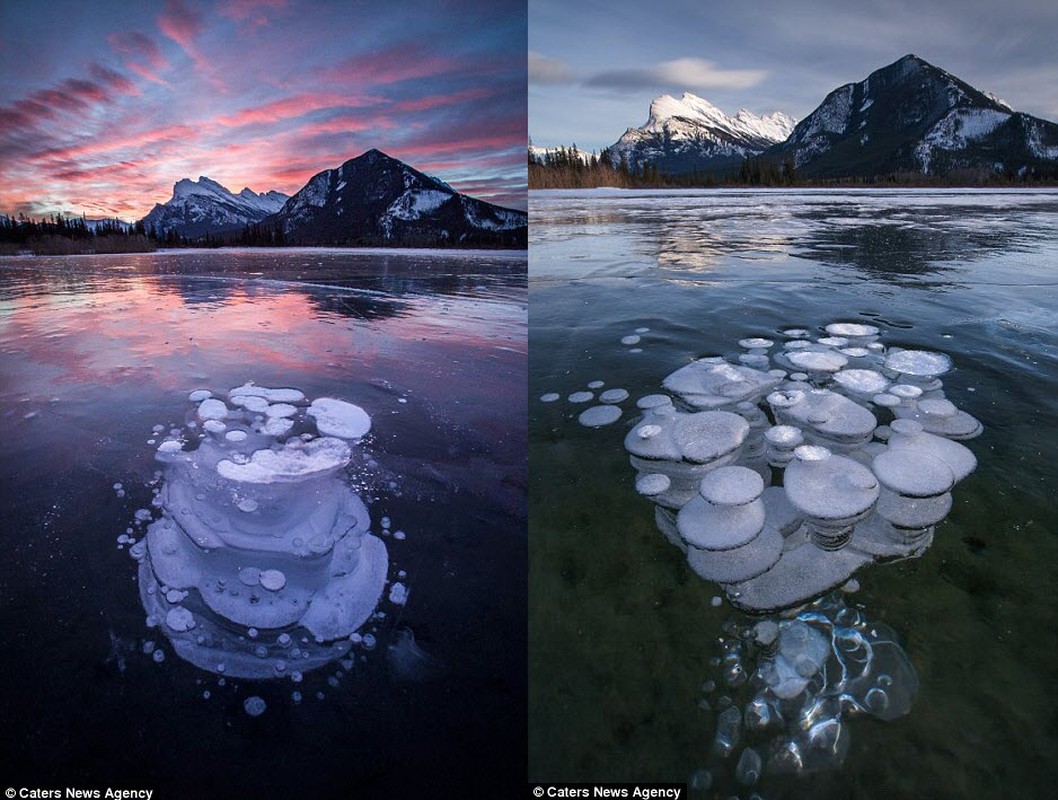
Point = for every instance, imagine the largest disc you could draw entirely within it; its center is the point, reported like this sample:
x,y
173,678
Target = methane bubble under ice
x,y
261,563
779,477
782,485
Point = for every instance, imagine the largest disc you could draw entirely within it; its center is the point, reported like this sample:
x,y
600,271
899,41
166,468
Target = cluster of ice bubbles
x,y
779,474
787,685
261,563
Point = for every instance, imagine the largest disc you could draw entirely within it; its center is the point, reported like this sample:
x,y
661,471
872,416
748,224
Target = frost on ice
x,y
262,559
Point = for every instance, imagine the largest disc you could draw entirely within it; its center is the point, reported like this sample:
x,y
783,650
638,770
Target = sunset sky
x,y
105,105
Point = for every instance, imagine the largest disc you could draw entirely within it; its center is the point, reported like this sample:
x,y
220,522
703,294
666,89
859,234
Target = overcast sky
x,y
104,105
595,66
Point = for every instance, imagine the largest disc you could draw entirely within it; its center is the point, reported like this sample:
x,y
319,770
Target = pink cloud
x,y
287,108
252,12
142,54
391,65
441,100
180,24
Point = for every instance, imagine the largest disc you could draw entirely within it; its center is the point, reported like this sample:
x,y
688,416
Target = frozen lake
x,y
622,632
98,355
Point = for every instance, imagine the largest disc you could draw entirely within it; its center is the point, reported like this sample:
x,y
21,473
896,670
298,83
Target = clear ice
x,y
261,563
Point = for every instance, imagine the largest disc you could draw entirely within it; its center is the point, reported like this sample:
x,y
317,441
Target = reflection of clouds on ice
x,y
261,564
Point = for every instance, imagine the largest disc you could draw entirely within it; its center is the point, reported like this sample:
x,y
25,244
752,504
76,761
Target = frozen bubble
x,y
613,396
886,400
214,426
398,594
798,376
817,361
749,765
549,397
369,641
833,341
861,381
596,384
652,483
648,431
175,596
855,352
796,333
158,656
295,696
399,535
294,462
597,416
281,410
905,391
283,639
142,515
199,395
784,435
179,619
731,486
235,436
653,401
254,706
631,339
728,731
385,522
273,580
272,395
251,576
580,397
248,505
755,343
920,363
852,329
339,418
715,602
170,446
642,330
212,408
117,487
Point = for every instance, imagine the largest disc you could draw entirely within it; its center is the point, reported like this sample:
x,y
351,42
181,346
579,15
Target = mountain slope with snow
x,y
205,207
375,199
914,117
690,134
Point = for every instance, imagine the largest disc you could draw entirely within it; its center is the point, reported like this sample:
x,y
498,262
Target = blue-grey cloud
x,y
680,73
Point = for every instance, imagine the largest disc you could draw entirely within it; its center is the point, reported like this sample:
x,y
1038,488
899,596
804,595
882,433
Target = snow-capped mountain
x,y
914,117
204,206
692,135
375,199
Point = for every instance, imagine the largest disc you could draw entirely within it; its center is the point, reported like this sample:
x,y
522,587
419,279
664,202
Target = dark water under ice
x,y
621,630
95,351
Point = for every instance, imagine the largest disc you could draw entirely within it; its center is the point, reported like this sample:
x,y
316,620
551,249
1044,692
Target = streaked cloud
x,y
549,71
680,73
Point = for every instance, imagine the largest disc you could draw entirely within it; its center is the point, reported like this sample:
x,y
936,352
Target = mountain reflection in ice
x,y
261,564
